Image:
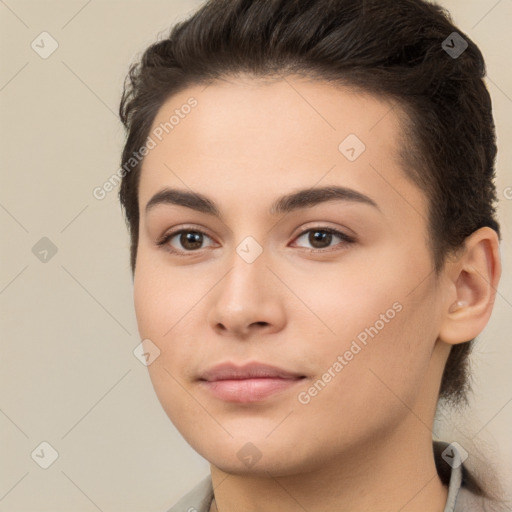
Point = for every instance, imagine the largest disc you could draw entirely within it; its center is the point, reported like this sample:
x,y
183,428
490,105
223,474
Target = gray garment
x,y
460,499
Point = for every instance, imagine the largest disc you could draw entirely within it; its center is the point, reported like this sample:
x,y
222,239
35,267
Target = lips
x,y
248,371
252,382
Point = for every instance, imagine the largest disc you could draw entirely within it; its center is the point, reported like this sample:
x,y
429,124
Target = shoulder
x,y
196,500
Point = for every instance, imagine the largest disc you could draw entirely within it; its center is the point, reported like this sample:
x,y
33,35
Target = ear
x,y
472,279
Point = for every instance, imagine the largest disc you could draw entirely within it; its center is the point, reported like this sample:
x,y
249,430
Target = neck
x,y
389,475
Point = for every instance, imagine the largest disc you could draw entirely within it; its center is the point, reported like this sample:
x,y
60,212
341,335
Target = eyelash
x,y
165,239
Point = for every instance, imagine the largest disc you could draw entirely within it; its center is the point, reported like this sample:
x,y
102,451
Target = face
x,y
287,320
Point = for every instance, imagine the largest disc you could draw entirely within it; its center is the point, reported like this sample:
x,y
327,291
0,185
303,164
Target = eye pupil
x,y
193,238
324,237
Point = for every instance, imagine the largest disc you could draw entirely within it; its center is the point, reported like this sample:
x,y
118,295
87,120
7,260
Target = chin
x,y
255,455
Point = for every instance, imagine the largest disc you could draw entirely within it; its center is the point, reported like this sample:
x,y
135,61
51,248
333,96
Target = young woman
x,y
309,191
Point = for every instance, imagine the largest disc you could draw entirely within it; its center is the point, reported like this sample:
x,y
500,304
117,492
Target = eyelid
x,y
346,239
345,232
170,234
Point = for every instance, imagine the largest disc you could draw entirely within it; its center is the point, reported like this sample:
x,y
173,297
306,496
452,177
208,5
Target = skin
x,y
364,442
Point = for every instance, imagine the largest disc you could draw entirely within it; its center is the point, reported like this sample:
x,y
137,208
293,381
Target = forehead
x,y
245,138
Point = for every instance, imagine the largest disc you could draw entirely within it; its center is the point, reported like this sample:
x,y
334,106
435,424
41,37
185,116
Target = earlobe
x,y
473,279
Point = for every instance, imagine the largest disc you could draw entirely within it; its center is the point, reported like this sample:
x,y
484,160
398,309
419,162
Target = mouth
x,y
252,382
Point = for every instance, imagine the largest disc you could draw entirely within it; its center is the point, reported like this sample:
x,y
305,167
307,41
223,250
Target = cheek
x,y
163,296
147,307
168,306
361,388
159,307
347,303
381,331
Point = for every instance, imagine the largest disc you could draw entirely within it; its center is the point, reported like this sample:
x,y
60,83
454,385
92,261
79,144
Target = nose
x,y
248,300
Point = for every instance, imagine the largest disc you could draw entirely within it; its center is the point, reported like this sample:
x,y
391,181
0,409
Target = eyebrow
x,y
305,198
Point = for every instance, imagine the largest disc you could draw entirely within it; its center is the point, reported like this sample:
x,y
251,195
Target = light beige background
x,y
68,373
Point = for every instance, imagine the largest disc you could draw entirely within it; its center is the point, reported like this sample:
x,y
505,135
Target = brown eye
x,y
183,241
322,238
191,240
319,239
